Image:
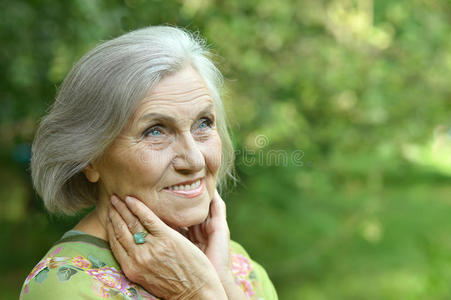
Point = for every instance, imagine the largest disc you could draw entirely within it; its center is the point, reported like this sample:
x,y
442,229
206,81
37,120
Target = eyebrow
x,y
162,117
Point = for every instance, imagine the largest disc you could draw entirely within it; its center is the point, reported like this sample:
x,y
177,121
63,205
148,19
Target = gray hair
x,y
98,97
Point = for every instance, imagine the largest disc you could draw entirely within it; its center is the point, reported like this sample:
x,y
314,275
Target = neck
x,y
95,222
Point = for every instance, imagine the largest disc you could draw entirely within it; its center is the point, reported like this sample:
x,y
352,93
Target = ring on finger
x,y
140,237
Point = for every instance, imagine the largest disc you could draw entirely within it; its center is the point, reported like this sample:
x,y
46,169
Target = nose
x,y
188,157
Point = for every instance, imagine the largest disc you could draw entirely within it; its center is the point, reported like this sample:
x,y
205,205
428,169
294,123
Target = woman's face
x,y
169,153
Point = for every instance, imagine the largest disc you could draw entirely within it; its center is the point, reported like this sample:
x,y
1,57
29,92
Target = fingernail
x,y
129,200
114,200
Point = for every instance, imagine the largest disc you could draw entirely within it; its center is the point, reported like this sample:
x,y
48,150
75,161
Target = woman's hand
x,y
213,238
167,264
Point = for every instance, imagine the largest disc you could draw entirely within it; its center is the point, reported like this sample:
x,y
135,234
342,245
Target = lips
x,y
189,189
185,183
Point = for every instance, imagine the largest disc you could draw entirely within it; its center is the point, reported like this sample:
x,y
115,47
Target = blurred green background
x,y
341,117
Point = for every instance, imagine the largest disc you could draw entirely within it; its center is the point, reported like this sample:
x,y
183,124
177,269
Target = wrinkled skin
x,y
171,138
154,152
168,264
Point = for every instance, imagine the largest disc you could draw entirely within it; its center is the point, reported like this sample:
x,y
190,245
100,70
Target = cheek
x,y
212,152
134,171
149,166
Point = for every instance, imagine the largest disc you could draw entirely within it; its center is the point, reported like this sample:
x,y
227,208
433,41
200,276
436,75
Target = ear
x,y
91,173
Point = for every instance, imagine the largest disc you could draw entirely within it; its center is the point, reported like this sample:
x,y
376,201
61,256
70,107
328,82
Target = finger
x,y
120,229
198,234
217,208
119,252
146,216
132,222
206,224
216,227
192,237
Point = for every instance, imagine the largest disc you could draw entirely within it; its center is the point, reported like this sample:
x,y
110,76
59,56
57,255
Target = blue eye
x,y
153,131
206,123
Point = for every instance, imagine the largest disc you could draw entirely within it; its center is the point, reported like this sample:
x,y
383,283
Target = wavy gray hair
x,y
98,97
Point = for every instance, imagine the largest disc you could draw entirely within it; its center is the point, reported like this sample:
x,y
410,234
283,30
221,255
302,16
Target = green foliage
x,y
344,190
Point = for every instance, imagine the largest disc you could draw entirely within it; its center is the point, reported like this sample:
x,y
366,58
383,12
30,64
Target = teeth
x,y
184,187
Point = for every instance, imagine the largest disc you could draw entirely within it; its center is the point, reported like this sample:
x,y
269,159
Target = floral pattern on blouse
x,y
41,269
106,281
241,269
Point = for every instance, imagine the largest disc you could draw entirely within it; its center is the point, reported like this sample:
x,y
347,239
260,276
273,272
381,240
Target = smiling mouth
x,y
187,190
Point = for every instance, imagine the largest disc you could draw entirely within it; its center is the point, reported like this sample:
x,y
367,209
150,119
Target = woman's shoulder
x,y
251,276
77,268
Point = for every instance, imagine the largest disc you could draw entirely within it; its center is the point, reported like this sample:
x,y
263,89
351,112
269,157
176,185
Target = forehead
x,y
184,91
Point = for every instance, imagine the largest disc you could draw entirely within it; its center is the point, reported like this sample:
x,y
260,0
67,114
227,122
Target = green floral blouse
x,y
81,266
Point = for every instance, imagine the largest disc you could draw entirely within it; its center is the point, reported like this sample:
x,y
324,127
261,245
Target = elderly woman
x,y
138,131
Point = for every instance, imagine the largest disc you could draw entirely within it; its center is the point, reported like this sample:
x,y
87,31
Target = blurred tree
x,y
343,193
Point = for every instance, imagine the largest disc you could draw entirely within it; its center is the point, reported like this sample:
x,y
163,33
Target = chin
x,y
189,218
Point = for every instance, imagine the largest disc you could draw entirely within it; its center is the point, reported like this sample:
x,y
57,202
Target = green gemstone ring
x,y
140,237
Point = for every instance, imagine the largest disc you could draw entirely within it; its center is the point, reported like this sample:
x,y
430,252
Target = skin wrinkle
x,y
143,166
189,95
154,116
165,253
191,159
180,123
